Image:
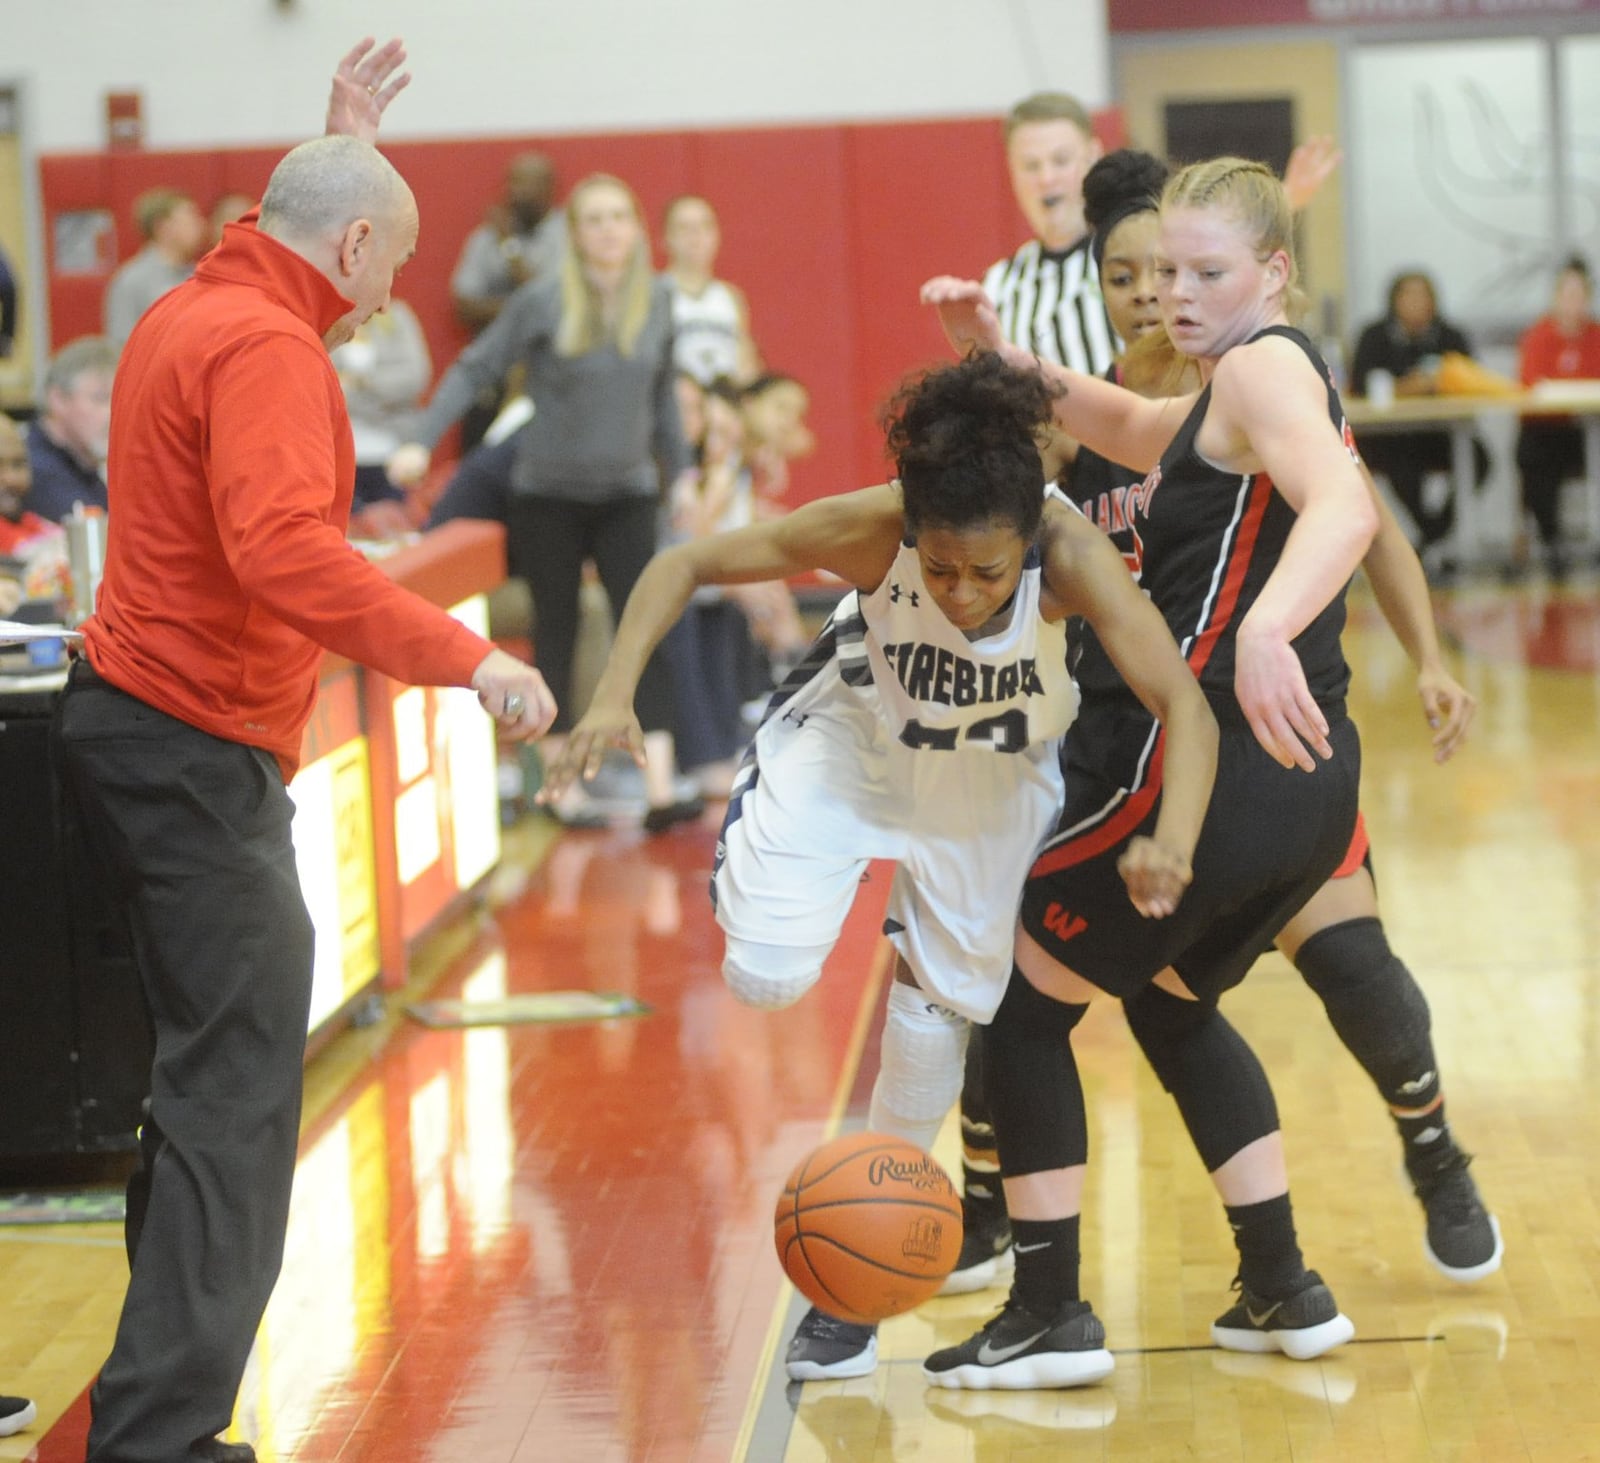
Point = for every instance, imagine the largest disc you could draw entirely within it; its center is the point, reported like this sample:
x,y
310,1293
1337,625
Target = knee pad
x,y
919,1066
771,977
1219,1086
1376,1006
1031,1079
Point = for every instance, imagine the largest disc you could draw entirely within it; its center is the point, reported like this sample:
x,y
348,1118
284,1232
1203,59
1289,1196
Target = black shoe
x,y
214,1450
985,1257
824,1348
1019,1351
15,1414
1463,1238
1303,1326
658,820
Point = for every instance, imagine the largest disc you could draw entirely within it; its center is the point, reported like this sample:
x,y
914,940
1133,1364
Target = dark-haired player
x,y
1247,526
922,727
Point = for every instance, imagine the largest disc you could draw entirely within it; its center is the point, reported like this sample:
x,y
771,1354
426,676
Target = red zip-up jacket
x,y
231,471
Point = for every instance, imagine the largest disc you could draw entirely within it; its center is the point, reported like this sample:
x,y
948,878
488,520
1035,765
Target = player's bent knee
x,y
920,1066
771,977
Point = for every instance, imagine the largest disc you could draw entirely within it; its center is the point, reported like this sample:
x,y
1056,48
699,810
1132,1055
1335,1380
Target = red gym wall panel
x,y
923,199
781,194
828,229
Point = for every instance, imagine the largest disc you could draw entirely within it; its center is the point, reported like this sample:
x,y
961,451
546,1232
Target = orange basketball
x,y
868,1226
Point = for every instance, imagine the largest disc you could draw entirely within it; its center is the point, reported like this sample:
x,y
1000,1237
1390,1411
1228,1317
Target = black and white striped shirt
x,y
1049,302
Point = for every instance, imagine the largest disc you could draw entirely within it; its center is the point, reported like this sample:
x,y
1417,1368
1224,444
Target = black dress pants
x,y
547,541
190,835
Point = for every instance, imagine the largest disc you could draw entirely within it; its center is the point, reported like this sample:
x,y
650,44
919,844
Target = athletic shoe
x,y
1301,1327
15,1414
1020,1351
824,1348
1463,1238
985,1257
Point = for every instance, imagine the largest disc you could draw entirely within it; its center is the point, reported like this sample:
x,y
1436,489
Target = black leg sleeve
x,y
1209,1069
1031,1077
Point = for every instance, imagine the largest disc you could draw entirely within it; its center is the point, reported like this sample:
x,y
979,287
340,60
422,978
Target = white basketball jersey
x,y
938,690
705,333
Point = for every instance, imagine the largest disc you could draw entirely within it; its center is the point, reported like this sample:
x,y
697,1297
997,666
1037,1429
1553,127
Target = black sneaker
x,y
824,1347
1019,1351
15,1414
1463,1238
985,1257
1301,1327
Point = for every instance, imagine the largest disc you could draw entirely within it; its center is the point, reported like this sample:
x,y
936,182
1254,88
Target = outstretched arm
x,y
854,536
363,86
1401,589
1087,576
1120,425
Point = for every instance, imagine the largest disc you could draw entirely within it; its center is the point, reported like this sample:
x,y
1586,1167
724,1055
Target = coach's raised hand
x,y
363,86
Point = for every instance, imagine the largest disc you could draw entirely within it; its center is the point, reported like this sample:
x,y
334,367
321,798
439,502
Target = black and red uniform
x,y
1203,543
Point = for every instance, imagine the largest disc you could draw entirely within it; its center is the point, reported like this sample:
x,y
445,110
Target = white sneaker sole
x,y
1304,1343
862,1364
1029,1373
1465,1276
18,1420
982,1276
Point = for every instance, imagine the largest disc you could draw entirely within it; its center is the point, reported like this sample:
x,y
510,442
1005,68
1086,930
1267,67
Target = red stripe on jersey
x,y
1133,811
1244,545
1130,813
1356,855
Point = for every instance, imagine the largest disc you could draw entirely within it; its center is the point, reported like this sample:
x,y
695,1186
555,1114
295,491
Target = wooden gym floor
x,y
553,1243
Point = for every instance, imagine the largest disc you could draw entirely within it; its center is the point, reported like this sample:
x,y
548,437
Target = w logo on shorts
x,y
1063,923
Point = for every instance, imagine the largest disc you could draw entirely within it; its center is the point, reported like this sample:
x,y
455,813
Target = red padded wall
x,y
829,230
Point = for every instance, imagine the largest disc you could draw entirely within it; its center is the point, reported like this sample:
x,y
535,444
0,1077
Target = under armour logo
x,y
799,718
896,594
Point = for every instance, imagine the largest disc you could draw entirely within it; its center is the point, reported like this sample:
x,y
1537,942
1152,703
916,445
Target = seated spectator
x,y
35,547
1561,346
1408,344
8,306
481,484
691,394
773,408
716,667
176,234
67,441
710,317
384,370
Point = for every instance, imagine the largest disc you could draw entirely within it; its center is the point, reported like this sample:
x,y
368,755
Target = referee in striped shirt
x,y
1047,293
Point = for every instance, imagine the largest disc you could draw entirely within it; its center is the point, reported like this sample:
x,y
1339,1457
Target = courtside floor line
x,y
769,1414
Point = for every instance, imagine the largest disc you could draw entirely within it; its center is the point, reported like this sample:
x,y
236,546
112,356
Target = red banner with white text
x,y
1162,15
